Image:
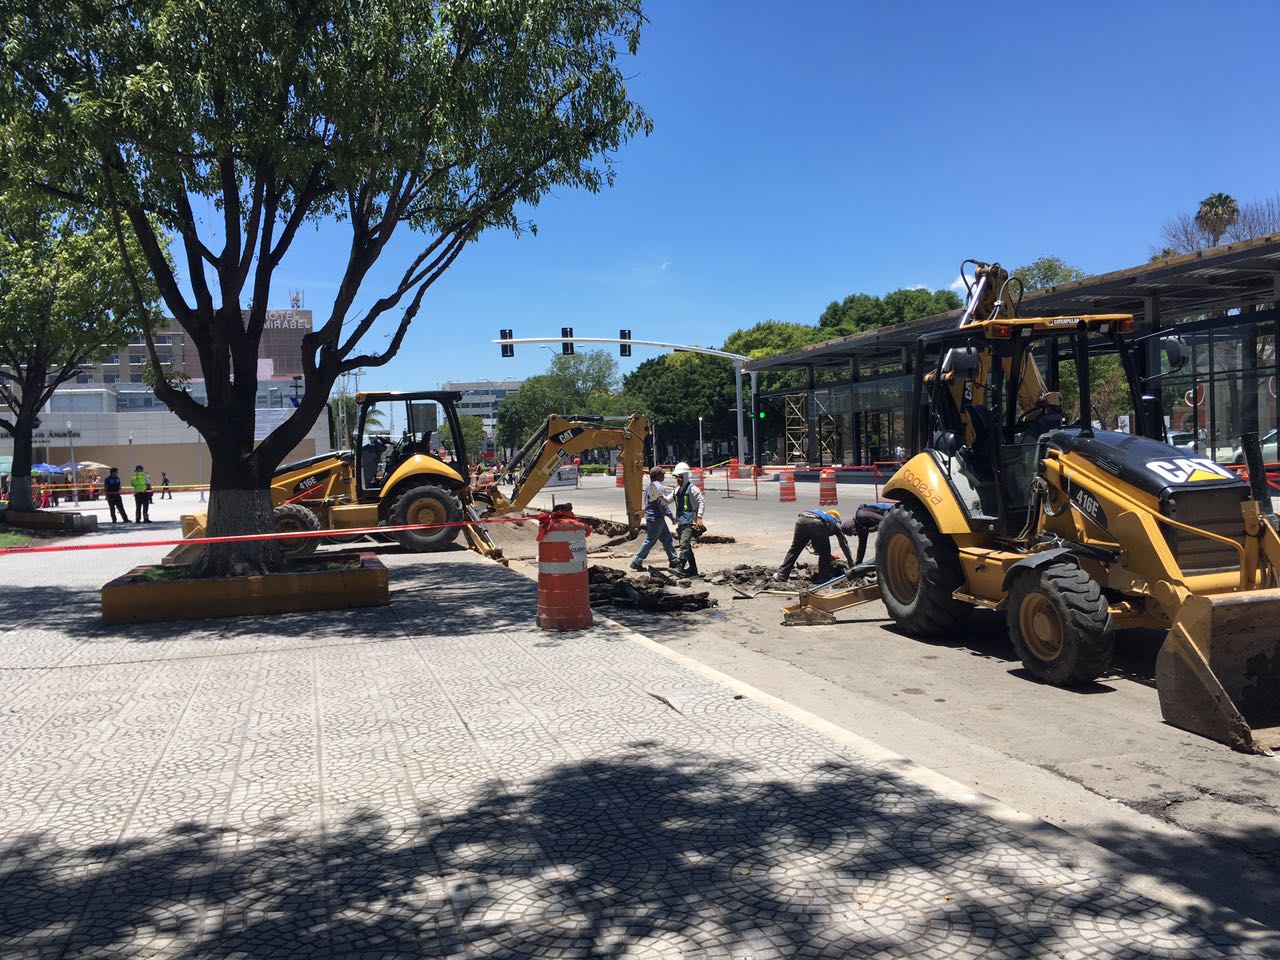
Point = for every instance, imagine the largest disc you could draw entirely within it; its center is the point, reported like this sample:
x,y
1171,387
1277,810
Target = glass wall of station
x,y
1227,388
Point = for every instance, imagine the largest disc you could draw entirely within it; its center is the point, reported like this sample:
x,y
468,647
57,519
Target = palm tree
x,y
1218,211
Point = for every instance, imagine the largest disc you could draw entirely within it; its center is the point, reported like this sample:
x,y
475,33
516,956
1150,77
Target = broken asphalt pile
x,y
643,591
756,578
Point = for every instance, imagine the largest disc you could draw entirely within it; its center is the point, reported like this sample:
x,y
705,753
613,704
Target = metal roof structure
x,y
1232,275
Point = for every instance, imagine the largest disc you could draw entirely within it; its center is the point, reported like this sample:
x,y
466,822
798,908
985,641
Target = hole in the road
x,y
915,691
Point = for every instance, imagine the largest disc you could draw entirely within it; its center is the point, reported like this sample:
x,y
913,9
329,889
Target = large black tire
x,y
1060,625
426,503
291,518
919,570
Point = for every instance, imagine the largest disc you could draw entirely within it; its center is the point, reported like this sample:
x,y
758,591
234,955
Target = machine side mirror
x,y
1176,353
962,362
946,443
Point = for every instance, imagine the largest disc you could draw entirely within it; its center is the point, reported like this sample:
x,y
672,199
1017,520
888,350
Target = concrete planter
x,y
125,600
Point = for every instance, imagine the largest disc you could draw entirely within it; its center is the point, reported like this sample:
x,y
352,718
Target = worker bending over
x,y
689,504
865,520
815,528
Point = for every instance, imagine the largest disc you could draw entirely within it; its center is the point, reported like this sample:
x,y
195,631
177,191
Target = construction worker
x,y
865,520
141,495
115,502
689,504
815,528
657,508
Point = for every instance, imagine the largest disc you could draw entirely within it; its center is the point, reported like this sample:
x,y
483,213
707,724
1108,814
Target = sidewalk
x,y
440,778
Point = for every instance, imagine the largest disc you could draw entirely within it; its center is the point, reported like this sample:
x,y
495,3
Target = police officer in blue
x,y
816,528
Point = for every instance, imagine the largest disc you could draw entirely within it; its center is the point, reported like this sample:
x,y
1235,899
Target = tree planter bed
x,y
150,593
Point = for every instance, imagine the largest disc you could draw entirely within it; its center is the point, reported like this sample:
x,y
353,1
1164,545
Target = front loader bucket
x,y
1218,672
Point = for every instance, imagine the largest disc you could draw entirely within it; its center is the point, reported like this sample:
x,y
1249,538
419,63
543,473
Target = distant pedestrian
x,y
689,505
141,496
111,486
164,486
815,528
657,510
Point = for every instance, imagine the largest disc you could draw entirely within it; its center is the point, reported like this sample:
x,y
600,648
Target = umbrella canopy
x,y
45,468
84,466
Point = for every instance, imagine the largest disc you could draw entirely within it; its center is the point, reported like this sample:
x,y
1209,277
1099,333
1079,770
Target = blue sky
x,y
805,151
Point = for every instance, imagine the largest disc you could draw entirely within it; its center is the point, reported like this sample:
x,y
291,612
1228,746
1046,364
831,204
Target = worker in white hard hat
x,y
689,504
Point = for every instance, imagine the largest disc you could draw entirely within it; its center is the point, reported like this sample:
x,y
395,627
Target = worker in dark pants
x,y
115,502
815,528
141,495
865,520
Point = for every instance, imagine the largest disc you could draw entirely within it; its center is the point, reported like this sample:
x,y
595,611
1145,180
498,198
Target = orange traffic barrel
x,y
733,468
618,472
827,487
787,486
698,477
564,594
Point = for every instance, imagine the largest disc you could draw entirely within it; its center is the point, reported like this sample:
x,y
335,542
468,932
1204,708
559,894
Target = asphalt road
x,y
1098,762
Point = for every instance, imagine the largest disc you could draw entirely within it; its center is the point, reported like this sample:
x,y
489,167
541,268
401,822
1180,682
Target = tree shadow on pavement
x,y
650,852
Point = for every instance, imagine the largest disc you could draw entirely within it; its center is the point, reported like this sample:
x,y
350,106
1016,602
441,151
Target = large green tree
x,y
678,388
580,383
416,125
1047,272
472,435
773,336
64,302
863,311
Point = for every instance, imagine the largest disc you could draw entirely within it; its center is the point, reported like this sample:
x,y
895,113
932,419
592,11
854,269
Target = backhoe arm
x,y
561,437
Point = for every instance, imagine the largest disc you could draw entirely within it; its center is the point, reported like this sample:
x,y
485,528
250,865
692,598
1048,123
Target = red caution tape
x,y
250,537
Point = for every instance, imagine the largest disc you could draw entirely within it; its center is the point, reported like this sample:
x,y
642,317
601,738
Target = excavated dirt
x,y
757,578
644,591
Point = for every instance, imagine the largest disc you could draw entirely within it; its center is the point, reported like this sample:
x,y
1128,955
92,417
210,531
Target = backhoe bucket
x,y
1218,672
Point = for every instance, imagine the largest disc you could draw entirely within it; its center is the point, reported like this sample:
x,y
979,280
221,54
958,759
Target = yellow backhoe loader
x,y
1018,501
423,476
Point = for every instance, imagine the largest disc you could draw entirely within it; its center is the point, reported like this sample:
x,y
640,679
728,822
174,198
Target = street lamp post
x,y
75,480
699,443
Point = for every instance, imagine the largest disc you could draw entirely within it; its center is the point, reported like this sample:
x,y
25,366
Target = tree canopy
x,y
772,336
864,311
581,383
64,301
436,118
1047,272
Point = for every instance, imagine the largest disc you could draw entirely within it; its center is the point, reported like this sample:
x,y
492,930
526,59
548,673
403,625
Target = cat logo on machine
x,y
1187,470
306,483
564,436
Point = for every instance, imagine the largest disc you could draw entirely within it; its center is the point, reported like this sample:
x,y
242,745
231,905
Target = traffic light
x,y
508,349
566,345
624,349
761,414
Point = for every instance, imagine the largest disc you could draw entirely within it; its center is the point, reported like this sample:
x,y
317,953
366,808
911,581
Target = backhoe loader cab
x,y
1018,500
408,466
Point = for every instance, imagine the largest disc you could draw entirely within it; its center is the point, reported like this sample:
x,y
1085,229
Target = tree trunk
x,y
20,472
239,504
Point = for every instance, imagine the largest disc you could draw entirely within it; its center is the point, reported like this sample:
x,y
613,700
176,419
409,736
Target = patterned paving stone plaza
x,y
439,778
